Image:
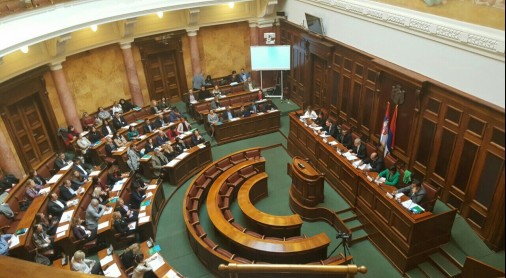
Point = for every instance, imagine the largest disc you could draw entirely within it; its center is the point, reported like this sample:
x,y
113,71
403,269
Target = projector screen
x,y
275,57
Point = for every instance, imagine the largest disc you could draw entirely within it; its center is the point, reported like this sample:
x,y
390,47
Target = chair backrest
x,y
432,193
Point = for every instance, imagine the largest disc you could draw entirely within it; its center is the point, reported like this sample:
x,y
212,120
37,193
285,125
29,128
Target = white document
x,y
117,187
398,195
62,228
143,219
234,119
55,178
351,157
209,98
84,133
65,217
105,260
112,271
143,208
333,143
108,211
171,274
142,214
173,162
364,167
152,186
132,225
149,194
193,102
142,137
260,113
58,235
356,163
182,155
134,124
201,146
156,261
94,173
67,167
44,190
102,225
317,127
272,110
14,241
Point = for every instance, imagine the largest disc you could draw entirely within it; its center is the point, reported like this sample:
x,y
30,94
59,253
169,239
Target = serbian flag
x,y
391,133
384,129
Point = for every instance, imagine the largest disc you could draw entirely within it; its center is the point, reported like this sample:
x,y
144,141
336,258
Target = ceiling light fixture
x,y
159,14
24,49
94,27
231,5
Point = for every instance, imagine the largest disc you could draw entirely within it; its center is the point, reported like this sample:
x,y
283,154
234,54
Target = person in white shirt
x,y
80,264
116,108
183,126
310,113
141,267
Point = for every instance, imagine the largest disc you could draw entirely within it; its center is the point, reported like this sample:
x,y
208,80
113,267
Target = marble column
x,y
8,161
131,71
194,52
65,96
253,40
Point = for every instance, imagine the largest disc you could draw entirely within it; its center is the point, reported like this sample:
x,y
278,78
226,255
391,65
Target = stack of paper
x,y
112,271
65,217
108,210
149,194
56,177
58,235
132,225
234,119
364,167
105,260
143,219
201,146
356,163
62,228
151,186
155,261
333,143
102,225
171,274
94,173
44,190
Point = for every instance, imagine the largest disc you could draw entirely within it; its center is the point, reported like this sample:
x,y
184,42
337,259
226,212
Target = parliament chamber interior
x,y
252,138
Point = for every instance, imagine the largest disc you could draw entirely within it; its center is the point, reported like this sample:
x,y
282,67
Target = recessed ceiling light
x,y
159,14
94,27
231,5
24,49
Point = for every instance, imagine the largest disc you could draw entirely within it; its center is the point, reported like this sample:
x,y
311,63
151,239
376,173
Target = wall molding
x,y
477,39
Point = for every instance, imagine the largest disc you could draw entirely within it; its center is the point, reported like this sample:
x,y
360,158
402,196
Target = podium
x,y
307,183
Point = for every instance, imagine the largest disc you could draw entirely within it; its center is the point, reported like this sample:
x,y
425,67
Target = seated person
x,y
163,104
141,266
104,115
180,146
228,114
41,240
109,146
174,115
260,95
83,168
116,108
375,161
87,121
114,175
108,129
268,106
212,119
158,163
215,92
204,93
56,207
71,135
95,182
93,214
125,105
345,138
331,128
94,135
132,133
215,104
359,149
321,119
100,196
208,81
125,211
183,126
128,255
149,147
119,140
160,121
249,85
244,112
191,98
244,75
84,147
79,230
60,161
391,176
172,133
49,224
234,77
77,180
137,196
154,107
66,191
310,113
32,190
197,138
161,138
80,264
148,126
168,151
5,242
414,191
121,225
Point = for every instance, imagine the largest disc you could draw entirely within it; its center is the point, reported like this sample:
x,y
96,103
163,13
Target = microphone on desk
x,y
301,165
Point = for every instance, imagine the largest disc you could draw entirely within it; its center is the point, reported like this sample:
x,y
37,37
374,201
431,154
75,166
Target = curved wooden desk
x,y
300,251
253,190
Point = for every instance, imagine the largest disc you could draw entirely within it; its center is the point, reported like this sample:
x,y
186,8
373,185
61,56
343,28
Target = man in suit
x,y
159,122
180,146
228,114
174,115
249,85
107,129
148,126
109,146
60,162
345,138
161,138
215,104
66,191
331,128
158,162
197,138
154,107
245,112
359,149
375,161
78,167
243,75
119,121
93,214
414,191
55,207
204,93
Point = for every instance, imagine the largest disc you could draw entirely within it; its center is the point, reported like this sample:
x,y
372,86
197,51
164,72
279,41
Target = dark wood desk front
x,y
404,238
256,124
307,183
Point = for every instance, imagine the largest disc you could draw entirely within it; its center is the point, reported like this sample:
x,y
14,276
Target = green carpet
x,y
172,235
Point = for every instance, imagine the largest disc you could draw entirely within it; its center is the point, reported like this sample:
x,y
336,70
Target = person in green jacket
x,y
391,175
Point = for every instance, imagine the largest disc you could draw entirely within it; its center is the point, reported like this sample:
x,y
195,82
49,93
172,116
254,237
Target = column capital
x,y
56,65
125,44
264,23
253,23
192,32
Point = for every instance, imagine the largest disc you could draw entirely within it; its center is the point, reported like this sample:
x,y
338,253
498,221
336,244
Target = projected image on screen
x,y
314,24
270,57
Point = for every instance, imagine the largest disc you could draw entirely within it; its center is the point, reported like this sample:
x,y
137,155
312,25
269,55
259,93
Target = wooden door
x,y
163,76
29,130
319,83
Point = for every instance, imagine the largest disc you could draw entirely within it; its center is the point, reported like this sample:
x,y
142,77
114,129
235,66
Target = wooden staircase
x,y
447,262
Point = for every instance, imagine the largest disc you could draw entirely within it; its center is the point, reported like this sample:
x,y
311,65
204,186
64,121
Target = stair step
x,y
454,253
353,224
415,273
348,219
430,270
445,265
359,235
